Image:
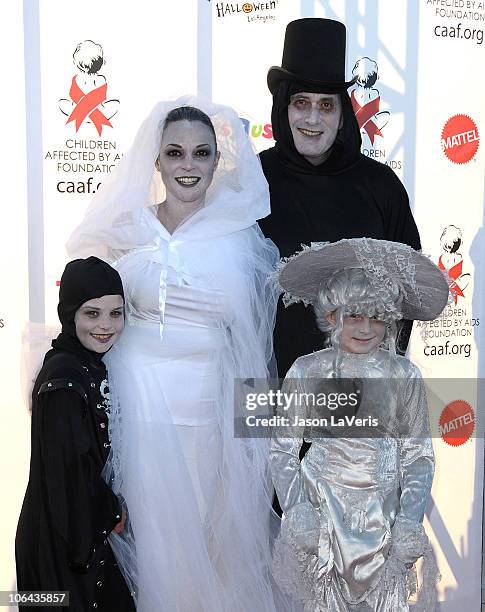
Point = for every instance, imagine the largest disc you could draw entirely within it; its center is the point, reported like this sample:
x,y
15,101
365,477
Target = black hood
x,y
83,280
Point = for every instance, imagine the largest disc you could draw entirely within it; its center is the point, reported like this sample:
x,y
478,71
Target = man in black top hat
x,y
322,188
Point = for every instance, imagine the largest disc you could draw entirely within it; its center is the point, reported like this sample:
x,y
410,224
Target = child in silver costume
x,y
353,506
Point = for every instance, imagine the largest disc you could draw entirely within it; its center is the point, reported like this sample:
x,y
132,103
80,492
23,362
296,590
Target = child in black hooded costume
x,y
69,510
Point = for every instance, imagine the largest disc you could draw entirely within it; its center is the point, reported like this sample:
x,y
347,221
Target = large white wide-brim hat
x,y
424,286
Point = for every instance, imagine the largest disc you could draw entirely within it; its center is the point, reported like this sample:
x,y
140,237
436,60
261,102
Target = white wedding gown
x,y
198,499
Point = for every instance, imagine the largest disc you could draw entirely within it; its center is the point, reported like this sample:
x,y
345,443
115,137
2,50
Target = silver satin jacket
x,y
353,506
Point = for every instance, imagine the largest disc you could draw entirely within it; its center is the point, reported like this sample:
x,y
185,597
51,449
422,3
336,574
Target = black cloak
x,y
68,509
347,196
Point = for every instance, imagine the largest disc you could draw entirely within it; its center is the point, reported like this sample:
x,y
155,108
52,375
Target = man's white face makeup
x,y
99,322
314,120
187,160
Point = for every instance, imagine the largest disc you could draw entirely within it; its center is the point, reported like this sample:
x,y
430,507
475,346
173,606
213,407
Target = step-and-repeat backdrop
x,y
81,76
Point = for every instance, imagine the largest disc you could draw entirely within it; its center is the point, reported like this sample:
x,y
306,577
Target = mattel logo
x,y
457,422
460,139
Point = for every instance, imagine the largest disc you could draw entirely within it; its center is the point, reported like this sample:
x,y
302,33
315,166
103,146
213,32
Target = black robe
x,y
348,196
68,510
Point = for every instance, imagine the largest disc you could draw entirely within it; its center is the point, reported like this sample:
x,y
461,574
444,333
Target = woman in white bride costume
x,y
178,218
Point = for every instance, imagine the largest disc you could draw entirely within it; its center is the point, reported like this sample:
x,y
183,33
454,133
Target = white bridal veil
x,y
171,558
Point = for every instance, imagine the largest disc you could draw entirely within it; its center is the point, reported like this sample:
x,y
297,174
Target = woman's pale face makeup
x,y
99,322
187,161
360,334
314,120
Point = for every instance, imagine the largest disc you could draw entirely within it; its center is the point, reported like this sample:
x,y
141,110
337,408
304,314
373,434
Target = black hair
x,y
370,81
190,113
88,57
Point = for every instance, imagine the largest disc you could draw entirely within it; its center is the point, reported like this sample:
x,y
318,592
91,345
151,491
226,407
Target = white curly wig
x,y
350,291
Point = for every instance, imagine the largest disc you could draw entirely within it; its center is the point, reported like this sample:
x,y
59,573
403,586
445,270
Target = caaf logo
x,y
460,139
366,100
451,261
87,102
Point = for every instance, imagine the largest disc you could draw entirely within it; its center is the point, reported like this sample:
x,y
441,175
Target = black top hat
x,y
313,55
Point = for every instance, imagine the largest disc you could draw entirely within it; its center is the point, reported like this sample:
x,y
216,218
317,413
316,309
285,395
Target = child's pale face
x,y
99,322
360,334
